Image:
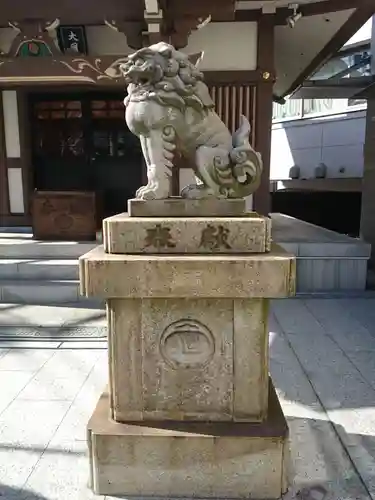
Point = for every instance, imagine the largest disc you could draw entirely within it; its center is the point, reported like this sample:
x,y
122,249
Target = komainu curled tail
x,y
229,170
247,164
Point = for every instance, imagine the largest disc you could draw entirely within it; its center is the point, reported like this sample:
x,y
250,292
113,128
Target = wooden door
x,y
115,154
81,143
59,145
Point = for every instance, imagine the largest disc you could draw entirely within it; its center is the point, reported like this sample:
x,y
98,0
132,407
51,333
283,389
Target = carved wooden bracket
x,y
36,35
159,26
134,31
181,30
137,32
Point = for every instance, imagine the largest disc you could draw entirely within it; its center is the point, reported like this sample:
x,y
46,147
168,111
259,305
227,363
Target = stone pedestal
x,y
190,409
180,459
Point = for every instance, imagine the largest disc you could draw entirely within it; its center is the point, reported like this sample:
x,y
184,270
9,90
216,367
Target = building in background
x,y
67,158
317,152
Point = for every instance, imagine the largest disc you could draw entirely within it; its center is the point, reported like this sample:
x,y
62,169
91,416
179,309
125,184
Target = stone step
x,y
22,246
40,272
39,269
40,291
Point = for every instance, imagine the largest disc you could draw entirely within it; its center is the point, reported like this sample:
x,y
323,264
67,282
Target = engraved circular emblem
x,y
187,343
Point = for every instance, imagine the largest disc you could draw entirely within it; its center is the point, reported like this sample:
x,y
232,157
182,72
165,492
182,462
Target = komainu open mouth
x,y
143,80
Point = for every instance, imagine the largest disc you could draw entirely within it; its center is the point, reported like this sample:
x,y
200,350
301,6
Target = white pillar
x,y
13,151
11,124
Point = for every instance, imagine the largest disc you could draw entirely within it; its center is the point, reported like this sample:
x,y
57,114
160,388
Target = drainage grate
x,y
53,332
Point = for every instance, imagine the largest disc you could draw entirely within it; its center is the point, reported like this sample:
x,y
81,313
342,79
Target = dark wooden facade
x,y
234,92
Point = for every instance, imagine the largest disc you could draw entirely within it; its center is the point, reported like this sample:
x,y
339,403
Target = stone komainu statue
x,y
169,108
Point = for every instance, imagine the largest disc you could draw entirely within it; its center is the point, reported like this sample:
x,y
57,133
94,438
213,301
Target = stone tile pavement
x,y
323,363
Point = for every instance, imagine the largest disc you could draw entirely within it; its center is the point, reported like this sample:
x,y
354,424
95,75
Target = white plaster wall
x,y
226,46
7,35
336,141
239,52
11,124
15,188
13,150
102,40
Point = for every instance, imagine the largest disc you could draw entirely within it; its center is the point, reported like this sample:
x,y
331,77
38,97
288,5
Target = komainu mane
x,y
169,108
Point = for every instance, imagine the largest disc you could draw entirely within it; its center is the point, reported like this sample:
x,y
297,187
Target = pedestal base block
x,y
180,459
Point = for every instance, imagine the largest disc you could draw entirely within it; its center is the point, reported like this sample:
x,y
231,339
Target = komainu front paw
x,y
140,190
153,192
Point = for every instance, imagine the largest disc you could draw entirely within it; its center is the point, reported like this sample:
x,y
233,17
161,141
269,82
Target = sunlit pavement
x,y
322,354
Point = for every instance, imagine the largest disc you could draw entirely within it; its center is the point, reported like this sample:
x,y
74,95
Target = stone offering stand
x,y
190,409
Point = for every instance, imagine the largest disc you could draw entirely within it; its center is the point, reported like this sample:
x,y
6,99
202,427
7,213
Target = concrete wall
x,y
336,140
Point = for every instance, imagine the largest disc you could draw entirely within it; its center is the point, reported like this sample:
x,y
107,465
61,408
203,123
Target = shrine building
x,y
67,158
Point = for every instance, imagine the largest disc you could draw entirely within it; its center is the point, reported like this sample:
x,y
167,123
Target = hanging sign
x,y
72,39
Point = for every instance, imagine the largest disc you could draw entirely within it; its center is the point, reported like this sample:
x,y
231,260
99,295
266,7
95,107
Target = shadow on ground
x,y
319,374
8,493
321,467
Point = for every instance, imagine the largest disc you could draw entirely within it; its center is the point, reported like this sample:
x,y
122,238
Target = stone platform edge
x,y
266,275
